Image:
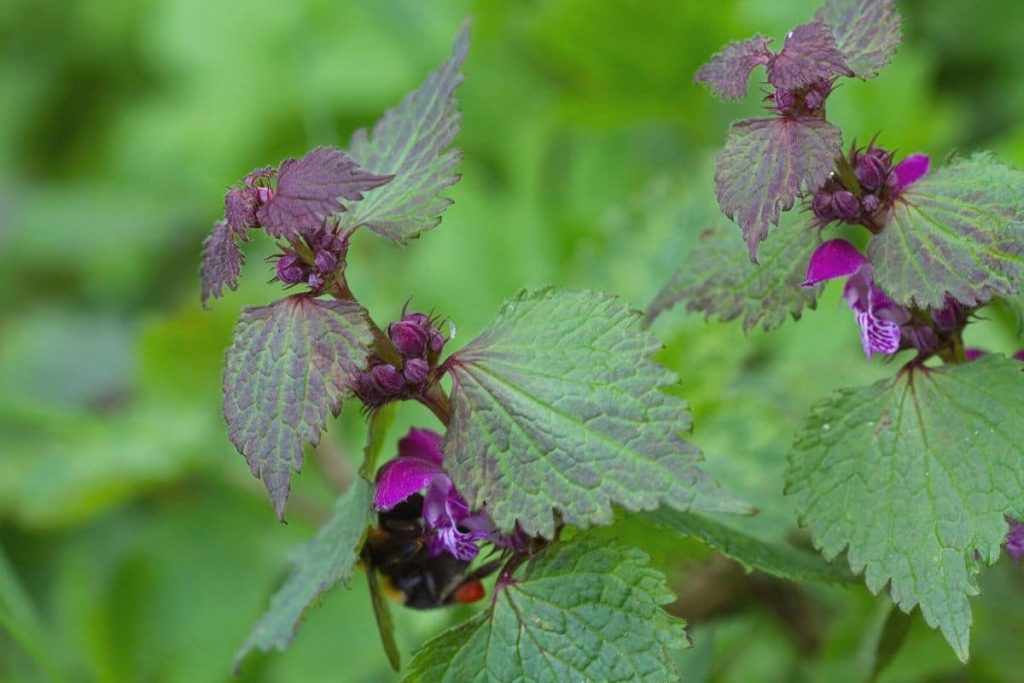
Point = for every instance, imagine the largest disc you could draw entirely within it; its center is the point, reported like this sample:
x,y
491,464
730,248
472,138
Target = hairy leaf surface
x,y
866,31
222,261
577,611
726,74
308,190
959,230
288,367
913,477
719,280
809,55
555,406
753,553
413,143
327,559
766,164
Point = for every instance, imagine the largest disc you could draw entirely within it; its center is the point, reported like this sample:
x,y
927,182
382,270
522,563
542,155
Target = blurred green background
x,y
135,544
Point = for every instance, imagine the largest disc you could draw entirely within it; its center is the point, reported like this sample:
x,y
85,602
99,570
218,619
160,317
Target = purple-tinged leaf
x,y
719,279
327,559
557,408
912,477
288,368
727,73
866,31
957,231
413,143
308,191
810,55
834,258
222,261
240,209
766,164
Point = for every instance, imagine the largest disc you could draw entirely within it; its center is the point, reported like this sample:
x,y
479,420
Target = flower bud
x,y
325,261
332,242
881,155
950,316
845,205
437,341
290,269
264,194
315,280
387,379
408,338
421,320
870,171
416,370
821,205
784,99
870,202
813,100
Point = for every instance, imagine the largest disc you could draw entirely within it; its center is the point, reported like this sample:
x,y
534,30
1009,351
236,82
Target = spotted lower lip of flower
x,y
878,317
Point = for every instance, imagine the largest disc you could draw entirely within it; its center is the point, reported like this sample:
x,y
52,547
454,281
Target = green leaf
x,y
913,476
719,279
753,553
766,164
578,611
288,367
321,563
412,142
556,408
867,32
959,230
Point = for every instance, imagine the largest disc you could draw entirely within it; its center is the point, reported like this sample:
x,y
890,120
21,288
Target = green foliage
x,y
719,280
327,559
412,142
958,230
556,405
577,611
753,553
913,477
288,368
867,32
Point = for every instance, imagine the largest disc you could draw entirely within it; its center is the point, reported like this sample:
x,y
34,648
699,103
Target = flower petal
x,y
461,545
402,477
878,335
834,258
911,169
972,353
1015,541
421,443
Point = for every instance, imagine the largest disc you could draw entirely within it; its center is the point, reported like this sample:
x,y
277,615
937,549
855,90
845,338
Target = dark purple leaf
x,y
766,164
727,73
866,31
809,55
413,142
289,366
240,209
308,190
222,261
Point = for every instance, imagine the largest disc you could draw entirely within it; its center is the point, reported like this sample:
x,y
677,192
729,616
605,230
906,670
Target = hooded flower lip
x,y
448,524
878,317
911,169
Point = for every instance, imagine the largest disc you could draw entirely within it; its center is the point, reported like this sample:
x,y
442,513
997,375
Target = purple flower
x,y
910,170
448,524
878,317
1015,540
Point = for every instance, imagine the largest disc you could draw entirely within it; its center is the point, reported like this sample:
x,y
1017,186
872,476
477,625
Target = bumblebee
x,y
397,550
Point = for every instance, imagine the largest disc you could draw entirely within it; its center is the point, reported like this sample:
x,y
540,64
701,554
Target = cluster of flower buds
x,y
806,101
242,203
419,341
855,196
326,252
